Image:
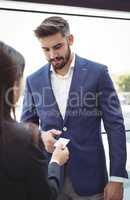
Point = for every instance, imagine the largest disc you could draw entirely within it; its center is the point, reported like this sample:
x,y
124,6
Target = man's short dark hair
x,y
51,26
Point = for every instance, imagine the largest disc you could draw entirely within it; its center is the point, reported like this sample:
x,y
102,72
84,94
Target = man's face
x,y
57,49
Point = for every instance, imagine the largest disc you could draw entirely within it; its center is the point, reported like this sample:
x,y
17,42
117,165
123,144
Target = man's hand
x,y
48,137
113,191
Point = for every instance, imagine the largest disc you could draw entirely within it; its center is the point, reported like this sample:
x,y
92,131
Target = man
x,y
68,97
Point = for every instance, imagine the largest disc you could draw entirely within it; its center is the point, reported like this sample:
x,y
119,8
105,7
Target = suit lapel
x,y
79,76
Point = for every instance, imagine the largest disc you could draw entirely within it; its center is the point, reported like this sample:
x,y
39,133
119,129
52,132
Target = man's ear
x,y
70,39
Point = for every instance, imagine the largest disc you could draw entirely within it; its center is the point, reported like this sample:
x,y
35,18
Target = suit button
x,y
64,128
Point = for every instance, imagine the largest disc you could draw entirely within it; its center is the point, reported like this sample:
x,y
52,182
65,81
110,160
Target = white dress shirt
x,y
61,87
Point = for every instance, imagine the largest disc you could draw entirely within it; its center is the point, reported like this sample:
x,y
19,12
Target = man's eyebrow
x,y
55,46
45,48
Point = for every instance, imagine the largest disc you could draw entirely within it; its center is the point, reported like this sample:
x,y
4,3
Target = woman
x,y
23,167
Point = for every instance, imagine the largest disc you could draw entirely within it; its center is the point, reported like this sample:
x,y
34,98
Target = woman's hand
x,y
60,154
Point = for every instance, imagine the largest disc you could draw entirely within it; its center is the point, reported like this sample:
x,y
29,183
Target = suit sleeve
x,y
39,185
110,108
29,113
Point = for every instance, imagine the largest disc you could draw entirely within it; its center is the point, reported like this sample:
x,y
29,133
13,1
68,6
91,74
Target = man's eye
x,y
58,46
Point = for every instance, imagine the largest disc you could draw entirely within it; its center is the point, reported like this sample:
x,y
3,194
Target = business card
x,y
63,141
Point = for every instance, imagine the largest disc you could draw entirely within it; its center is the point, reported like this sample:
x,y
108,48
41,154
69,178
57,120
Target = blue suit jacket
x,y
92,97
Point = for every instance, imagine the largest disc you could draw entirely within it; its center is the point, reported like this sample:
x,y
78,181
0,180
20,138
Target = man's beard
x,y
64,60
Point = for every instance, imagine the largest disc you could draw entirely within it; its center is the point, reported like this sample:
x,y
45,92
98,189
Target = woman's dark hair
x,y
51,26
11,70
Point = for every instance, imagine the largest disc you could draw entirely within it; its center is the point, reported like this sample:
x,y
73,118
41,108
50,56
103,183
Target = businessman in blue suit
x,y
67,98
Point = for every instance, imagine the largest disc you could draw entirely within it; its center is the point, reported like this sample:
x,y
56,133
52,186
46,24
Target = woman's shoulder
x,y
21,132
18,148
15,130
21,137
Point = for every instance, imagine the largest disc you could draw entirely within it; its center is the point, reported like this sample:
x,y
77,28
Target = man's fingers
x,y
49,140
105,195
55,132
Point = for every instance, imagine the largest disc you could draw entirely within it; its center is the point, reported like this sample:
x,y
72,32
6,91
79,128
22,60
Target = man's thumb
x,y
56,132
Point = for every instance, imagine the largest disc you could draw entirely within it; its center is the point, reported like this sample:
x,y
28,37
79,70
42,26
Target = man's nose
x,y
52,54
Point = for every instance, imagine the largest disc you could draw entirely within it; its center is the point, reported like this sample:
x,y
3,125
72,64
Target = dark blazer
x,y
23,166
92,97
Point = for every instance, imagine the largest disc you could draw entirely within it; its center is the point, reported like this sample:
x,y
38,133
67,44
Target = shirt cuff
x,y
118,179
54,160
